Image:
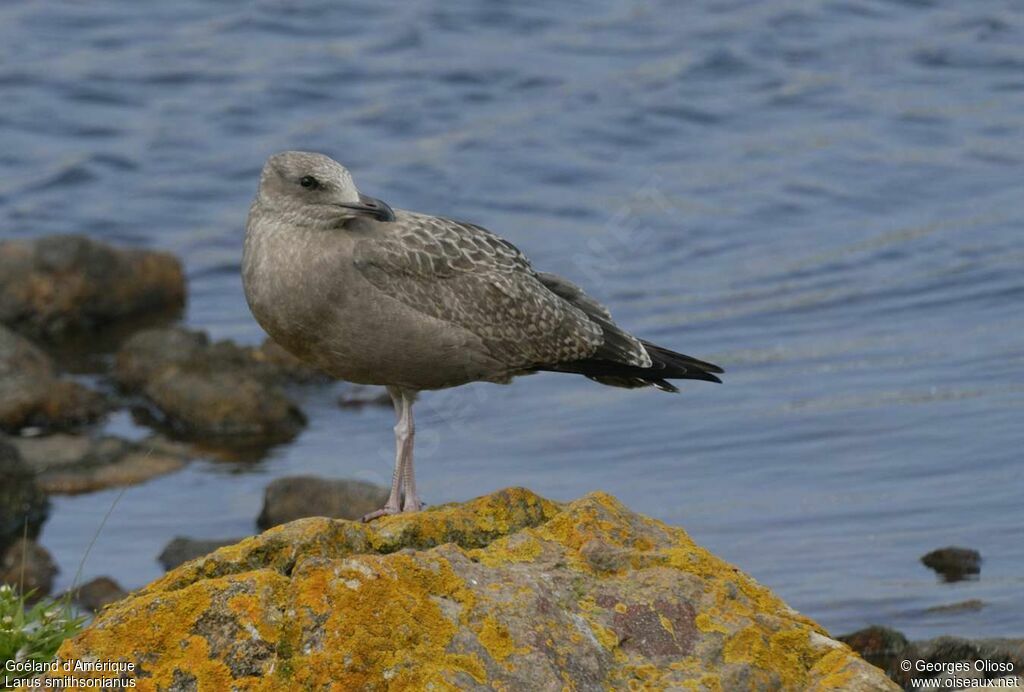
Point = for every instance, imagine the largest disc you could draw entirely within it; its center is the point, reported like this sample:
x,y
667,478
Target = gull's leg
x,y
412,501
393,505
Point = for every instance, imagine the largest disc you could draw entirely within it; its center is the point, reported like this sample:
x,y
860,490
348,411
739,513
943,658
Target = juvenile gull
x,y
413,302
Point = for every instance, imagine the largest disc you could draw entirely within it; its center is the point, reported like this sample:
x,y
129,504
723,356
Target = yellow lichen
x,y
331,604
496,639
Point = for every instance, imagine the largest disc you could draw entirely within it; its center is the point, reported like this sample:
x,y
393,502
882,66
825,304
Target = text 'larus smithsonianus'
x,y
410,301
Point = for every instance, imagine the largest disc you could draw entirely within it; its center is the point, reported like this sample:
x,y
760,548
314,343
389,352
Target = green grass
x,y
34,632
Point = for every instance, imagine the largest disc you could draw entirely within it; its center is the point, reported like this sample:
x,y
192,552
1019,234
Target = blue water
x,y
827,198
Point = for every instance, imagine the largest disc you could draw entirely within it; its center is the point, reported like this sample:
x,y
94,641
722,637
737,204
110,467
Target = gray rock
x,y
967,606
97,593
31,394
58,285
26,565
219,391
295,497
880,646
181,549
73,464
980,659
23,504
954,563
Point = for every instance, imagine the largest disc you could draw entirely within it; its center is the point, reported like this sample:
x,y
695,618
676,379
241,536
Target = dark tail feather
x,y
666,365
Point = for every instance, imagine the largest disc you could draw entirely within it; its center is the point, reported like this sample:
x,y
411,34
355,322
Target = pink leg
x,y
402,439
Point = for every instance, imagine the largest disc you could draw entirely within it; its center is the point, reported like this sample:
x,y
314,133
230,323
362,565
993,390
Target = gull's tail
x,y
665,365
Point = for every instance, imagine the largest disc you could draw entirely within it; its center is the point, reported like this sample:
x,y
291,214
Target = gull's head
x,y
311,184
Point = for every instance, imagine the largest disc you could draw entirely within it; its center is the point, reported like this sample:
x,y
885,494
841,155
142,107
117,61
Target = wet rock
x,y
31,394
490,594
181,549
23,504
880,646
296,497
97,593
954,563
971,605
57,285
213,391
73,464
963,663
27,566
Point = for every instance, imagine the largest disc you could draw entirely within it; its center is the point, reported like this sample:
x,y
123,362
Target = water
x,y
827,198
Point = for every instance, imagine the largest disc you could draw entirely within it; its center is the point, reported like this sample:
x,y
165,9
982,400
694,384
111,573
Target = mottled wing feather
x,y
617,345
469,277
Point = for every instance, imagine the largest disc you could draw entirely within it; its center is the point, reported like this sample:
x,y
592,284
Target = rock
x,y
97,593
880,646
491,594
970,605
296,497
212,391
23,505
26,565
31,394
953,563
181,549
58,285
961,661
73,464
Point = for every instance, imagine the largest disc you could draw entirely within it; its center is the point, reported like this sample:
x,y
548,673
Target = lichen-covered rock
x,y
508,591
73,464
62,284
296,497
23,504
31,394
214,391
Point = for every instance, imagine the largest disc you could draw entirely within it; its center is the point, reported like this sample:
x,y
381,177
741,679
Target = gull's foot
x,y
382,512
413,504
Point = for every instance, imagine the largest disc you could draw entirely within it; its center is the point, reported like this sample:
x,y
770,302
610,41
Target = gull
x,y
414,302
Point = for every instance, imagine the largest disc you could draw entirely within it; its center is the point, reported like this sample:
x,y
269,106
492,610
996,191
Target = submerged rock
x,y
28,567
58,285
508,591
72,464
181,549
954,563
297,497
214,391
31,394
23,504
970,605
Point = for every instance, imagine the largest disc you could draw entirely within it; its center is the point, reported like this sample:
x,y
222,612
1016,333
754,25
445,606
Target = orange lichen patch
x,y
521,547
473,524
833,670
169,623
496,639
387,627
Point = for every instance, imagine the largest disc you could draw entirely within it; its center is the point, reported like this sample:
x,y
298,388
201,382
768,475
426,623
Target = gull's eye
x,y
309,182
